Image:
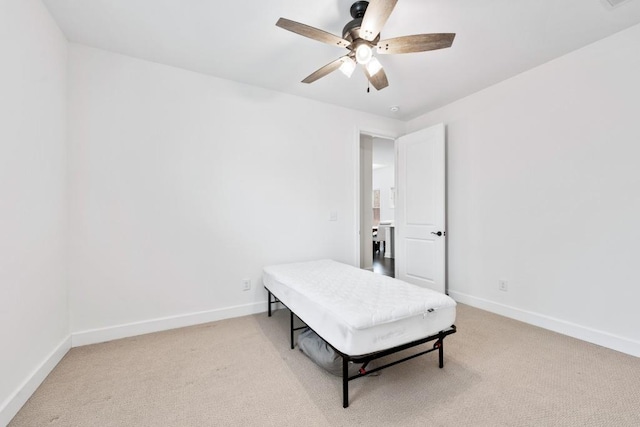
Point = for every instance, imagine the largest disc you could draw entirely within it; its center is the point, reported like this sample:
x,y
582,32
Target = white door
x,y
420,238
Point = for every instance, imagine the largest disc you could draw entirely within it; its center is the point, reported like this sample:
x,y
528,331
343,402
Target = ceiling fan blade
x,y
327,69
311,32
375,17
416,43
378,80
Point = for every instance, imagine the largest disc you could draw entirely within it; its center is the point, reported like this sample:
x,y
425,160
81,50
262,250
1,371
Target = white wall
x,y
544,192
34,327
183,184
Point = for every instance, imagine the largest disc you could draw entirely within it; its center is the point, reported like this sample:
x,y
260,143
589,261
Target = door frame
x,y
356,175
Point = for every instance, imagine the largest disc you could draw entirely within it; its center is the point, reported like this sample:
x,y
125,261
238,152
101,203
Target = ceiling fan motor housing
x,y
358,9
351,31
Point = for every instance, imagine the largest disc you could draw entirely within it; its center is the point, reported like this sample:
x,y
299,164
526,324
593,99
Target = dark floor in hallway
x,y
382,265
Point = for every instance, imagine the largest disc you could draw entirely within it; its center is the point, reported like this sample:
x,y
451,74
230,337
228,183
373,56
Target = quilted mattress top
x,y
361,298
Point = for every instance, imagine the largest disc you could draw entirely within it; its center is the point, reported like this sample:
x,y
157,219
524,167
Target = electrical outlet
x,y
246,284
503,285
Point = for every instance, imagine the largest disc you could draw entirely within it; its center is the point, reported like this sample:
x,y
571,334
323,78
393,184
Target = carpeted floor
x,y
498,372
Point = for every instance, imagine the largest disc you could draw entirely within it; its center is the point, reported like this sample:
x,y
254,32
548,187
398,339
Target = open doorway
x,y
377,204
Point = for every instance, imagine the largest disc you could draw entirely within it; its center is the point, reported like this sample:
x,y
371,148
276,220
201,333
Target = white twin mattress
x,y
356,311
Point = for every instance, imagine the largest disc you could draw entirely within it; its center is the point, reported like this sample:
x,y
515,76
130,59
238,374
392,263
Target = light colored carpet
x,y
498,372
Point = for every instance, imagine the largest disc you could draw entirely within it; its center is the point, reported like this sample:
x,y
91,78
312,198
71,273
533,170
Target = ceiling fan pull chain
x,y
368,86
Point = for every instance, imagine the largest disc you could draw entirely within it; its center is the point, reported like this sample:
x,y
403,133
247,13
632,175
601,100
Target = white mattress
x,y
356,311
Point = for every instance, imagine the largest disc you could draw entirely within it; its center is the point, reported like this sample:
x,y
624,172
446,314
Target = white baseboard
x,y
604,339
10,407
94,336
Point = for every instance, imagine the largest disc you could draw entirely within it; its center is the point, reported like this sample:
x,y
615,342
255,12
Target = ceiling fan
x,y
361,36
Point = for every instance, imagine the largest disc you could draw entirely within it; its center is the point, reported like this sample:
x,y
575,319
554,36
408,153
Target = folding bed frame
x,y
366,358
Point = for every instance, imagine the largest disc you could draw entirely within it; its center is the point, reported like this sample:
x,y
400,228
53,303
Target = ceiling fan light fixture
x,y
373,66
347,67
363,54
362,34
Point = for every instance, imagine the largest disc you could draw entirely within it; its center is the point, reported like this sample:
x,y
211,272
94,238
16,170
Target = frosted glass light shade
x,y
373,66
347,67
363,54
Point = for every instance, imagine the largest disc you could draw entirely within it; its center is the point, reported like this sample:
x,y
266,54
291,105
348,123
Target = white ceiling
x,y
238,40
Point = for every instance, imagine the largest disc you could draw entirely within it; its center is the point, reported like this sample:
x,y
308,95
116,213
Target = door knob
x,y
439,233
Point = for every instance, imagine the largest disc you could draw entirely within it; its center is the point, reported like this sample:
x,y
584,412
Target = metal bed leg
x,y
269,302
291,316
345,382
441,353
